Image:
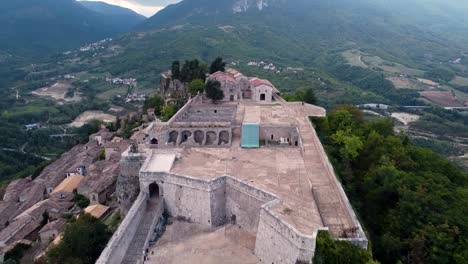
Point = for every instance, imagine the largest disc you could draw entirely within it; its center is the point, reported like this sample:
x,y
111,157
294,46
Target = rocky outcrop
x,y
244,5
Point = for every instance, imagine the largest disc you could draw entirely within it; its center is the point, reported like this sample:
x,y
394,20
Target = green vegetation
x,y
329,251
440,74
196,86
192,70
217,65
168,112
101,154
213,90
155,102
15,254
410,199
302,95
175,70
80,200
82,242
443,122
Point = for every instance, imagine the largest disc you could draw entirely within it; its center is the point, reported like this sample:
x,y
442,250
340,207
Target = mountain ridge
x,y
33,28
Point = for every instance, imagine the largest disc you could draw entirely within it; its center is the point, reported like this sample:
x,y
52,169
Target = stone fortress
x,y
249,171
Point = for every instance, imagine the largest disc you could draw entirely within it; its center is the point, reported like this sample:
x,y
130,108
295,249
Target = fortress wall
x,y
195,200
278,242
360,239
243,204
120,241
128,183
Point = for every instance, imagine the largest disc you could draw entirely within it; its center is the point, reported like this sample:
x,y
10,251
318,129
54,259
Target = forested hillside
x,y
412,201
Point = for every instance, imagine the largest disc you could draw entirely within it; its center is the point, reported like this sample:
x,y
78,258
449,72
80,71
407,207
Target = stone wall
x,y
193,200
272,135
243,204
264,90
278,242
128,183
120,241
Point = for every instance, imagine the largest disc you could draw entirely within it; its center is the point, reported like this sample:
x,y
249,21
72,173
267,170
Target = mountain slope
x,y
120,17
31,27
389,27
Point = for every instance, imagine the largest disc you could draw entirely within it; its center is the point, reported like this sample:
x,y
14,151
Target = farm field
x,y
58,91
88,116
460,81
360,59
442,98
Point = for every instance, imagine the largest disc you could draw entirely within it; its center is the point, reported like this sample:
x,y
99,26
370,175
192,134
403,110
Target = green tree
x,y
213,90
83,240
196,86
168,112
80,200
217,65
101,154
155,102
175,69
16,253
329,251
309,96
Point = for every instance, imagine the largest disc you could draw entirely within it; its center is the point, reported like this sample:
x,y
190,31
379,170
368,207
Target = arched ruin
x,y
199,136
223,138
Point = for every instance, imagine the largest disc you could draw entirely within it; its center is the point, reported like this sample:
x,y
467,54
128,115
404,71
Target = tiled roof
x,y
69,184
257,82
96,210
222,77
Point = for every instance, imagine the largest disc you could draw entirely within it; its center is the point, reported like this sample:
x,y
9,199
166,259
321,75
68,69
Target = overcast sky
x,y
144,7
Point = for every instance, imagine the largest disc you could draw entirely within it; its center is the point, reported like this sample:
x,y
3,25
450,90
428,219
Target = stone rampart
x,y
243,204
288,243
118,245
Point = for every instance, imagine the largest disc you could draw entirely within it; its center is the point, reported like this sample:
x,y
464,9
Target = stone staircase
x,y
136,249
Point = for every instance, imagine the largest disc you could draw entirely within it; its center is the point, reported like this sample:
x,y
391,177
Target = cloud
x,y
143,7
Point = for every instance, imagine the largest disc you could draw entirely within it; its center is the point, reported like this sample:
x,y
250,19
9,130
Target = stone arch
x,y
223,137
185,136
199,136
262,97
210,138
153,190
154,141
173,135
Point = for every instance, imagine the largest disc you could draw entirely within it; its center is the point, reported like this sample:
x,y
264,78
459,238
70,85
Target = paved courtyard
x,y
189,243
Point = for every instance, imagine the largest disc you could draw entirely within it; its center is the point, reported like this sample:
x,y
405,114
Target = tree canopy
x,y
155,102
82,242
217,65
196,86
175,70
329,251
213,90
192,70
411,200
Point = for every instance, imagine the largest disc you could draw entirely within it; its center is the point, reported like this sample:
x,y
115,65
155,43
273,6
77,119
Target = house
x,y
69,184
97,210
229,85
51,230
262,90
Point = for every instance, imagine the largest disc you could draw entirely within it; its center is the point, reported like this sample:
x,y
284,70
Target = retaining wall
x,y
118,245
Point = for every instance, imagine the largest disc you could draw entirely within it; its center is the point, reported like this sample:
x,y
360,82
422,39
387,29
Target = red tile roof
x,y
257,82
222,77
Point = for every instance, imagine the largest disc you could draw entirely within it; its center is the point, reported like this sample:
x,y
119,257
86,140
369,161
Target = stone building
x,y
51,230
237,86
265,202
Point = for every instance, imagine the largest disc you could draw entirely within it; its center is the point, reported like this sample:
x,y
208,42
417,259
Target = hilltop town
x,y
249,164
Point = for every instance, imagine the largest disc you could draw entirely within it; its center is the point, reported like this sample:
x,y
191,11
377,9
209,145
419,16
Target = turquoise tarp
x,y
250,135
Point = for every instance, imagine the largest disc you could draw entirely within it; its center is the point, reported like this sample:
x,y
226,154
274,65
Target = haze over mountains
x,y
31,27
